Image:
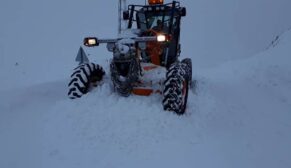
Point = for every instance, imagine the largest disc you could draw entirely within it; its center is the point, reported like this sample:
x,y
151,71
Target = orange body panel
x,y
142,91
151,81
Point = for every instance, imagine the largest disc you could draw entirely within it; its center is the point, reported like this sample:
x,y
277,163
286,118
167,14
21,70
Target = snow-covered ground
x,y
238,116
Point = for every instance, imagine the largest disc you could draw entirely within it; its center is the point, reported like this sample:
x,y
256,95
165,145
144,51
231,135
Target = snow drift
x,y
239,116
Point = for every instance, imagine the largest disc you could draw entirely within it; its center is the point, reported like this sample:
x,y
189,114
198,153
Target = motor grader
x,y
145,56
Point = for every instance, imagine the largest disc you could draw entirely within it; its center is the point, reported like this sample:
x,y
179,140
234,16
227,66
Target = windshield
x,y
159,21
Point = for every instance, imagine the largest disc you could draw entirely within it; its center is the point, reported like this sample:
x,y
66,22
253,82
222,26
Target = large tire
x,y
176,88
187,65
82,78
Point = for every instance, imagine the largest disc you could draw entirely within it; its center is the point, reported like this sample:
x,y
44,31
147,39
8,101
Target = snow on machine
x,y
145,56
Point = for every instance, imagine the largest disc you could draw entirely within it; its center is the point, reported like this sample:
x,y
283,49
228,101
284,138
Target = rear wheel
x,y
83,77
176,89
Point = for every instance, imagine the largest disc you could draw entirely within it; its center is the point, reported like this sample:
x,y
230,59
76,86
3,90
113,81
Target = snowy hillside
x,y
238,116
39,39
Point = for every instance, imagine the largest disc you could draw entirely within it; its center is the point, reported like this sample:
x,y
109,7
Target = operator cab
x,y
160,18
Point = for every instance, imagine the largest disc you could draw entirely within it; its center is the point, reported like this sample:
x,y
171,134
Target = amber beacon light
x,y
154,2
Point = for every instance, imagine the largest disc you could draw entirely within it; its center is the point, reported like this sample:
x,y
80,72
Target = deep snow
x,y
238,116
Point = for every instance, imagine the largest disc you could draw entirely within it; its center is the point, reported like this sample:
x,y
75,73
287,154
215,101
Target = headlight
x,y
161,38
91,41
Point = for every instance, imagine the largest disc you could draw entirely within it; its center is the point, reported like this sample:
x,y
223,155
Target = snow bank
x,y
239,116
249,112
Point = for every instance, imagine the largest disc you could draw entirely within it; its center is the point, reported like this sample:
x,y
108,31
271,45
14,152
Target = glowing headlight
x,y
91,41
161,38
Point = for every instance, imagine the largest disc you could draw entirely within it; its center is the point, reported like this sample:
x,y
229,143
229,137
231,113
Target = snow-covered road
x,y
239,116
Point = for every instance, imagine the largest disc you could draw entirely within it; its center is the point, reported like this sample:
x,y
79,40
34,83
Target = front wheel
x,y
83,77
176,88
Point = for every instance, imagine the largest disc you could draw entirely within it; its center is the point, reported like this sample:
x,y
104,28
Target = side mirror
x,y
91,41
125,15
183,12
